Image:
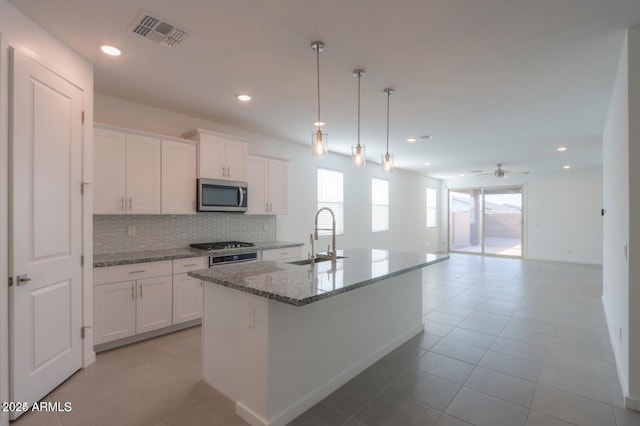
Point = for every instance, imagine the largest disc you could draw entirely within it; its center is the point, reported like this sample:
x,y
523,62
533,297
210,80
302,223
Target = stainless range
x,y
219,259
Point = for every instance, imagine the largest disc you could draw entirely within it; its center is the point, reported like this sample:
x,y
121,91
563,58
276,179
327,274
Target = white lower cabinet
x,y
131,299
153,304
187,298
187,291
114,311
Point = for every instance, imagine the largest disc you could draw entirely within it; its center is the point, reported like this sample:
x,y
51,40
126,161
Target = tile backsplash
x,y
112,233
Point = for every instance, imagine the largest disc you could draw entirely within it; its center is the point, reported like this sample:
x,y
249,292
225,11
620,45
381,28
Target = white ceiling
x,y
493,81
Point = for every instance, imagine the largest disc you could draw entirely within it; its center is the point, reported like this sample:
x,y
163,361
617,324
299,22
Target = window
x,y
432,204
330,194
379,205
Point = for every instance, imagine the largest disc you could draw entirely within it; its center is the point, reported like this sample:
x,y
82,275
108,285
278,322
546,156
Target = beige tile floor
x,y
507,342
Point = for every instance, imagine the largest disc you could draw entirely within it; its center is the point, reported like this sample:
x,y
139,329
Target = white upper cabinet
x,y
267,186
109,171
126,170
178,177
220,157
236,155
143,174
212,157
278,186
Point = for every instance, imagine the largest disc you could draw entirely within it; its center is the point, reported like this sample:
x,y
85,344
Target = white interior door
x,y
45,233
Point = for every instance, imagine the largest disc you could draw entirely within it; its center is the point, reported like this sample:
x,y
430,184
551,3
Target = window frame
x,y
433,209
379,205
324,217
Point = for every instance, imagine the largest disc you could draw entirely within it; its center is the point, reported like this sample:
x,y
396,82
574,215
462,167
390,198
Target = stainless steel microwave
x,y
221,196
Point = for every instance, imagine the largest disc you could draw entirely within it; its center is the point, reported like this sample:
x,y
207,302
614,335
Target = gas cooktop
x,y
221,245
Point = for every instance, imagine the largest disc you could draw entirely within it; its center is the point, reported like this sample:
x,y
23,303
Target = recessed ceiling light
x,y
411,140
566,167
461,174
111,50
562,148
319,123
427,163
243,98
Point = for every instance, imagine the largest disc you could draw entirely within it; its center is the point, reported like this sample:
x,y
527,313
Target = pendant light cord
x,y
388,97
318,73
359,77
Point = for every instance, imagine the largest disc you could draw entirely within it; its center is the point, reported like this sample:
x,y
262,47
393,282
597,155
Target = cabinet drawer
x,y
137,271
190,264
282,254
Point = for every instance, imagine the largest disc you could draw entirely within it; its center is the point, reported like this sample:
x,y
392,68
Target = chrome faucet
x,y
330,253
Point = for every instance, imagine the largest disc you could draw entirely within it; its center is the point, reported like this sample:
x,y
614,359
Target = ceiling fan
x,y
502,173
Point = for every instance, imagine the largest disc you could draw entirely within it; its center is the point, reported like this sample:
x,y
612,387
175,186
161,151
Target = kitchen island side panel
x,y
277,360
317,348
234,352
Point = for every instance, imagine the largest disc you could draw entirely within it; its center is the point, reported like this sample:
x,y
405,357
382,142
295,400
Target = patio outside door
x,y
486,221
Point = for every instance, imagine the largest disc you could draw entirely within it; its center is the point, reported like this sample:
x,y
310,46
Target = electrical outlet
x,y
131,231
251,318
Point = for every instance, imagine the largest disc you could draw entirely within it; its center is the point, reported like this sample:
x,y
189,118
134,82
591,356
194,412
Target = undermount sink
x,y
308,261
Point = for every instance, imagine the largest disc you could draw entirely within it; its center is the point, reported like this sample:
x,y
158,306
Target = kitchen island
x,y
278,337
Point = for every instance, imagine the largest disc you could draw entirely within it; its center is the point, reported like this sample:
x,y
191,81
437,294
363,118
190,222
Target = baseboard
x,y
249,416
148,335
577,261
631,403
332,385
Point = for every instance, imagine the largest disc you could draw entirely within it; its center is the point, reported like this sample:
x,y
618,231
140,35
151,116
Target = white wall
x,y
616,220
407,190
634,213
562,219
621,298
21,33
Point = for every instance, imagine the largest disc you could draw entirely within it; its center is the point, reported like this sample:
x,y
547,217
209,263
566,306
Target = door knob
x,y
24,278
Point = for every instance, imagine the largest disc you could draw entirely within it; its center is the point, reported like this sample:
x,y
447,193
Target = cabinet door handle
x,y
137,272
189,265
270,206
122,203
266,207
133,295
141,292
130,204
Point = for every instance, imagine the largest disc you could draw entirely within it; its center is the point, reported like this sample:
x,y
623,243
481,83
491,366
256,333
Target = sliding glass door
x,y
486,221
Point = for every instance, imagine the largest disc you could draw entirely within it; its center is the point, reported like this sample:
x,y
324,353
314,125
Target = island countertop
x,y
303,284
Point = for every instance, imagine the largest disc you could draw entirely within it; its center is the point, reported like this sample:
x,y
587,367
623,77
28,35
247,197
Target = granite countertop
x,y
129,258
303,284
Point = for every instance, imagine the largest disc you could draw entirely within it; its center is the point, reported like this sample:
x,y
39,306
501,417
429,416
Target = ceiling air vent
x,y
155,29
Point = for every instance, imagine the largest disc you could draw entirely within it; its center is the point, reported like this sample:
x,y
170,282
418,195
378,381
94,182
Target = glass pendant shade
x,y
387,159
319,139
358,152
319,143
358,156
387,163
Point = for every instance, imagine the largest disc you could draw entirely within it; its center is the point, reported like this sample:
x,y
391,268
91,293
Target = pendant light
x,y
387,159
358,152
319,139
